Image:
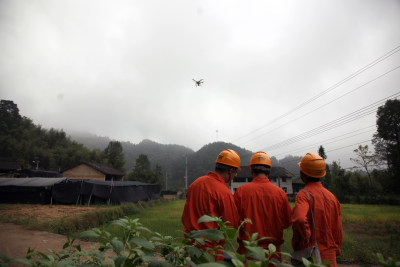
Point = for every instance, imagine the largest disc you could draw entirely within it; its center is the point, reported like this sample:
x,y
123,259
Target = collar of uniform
x,y
216,176
315,184
261,180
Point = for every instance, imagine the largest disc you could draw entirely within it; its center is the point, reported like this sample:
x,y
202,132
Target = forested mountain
x,y
290,163
203,160
89,140
161,154
51,149
22,140
171,158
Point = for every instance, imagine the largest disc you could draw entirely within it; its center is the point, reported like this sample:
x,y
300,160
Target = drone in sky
x,y
199,82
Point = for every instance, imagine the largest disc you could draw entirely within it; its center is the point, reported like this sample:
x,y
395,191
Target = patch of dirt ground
x,y
15,239
41,213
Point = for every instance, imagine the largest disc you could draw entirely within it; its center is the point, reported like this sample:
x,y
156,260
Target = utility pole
x,y
186,176
217,134
166,181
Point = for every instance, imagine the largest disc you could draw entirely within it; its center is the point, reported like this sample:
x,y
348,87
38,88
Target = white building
x,y
279,176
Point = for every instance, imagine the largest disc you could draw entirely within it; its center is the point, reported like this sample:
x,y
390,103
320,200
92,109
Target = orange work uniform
x,y
209,195
268,208
328,222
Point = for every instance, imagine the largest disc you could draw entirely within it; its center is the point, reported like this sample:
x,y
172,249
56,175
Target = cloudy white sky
x,y
272,70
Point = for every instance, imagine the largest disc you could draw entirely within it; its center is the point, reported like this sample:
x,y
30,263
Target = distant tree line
x,y
378,182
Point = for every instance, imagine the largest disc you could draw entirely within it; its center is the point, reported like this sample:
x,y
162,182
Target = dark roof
x,y
103,168
30,182
280,172
275,172
38,173
7,164
116,183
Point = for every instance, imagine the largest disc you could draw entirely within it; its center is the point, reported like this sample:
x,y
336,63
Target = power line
x,y
336,123
359,167
320,129
349,145
358,72
358,143
323,142
333,124
324,105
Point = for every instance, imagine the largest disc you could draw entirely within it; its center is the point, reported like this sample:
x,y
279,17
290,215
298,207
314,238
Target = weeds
x,y
133,249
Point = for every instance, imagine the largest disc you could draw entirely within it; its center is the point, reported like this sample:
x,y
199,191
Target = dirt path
x,y
15,241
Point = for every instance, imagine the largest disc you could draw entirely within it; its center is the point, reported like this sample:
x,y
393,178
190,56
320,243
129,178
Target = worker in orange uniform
x,y
265,204
326,212
210,195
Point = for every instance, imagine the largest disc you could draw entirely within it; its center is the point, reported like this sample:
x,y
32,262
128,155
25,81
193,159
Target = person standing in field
x,y
265,204
326,212
210,195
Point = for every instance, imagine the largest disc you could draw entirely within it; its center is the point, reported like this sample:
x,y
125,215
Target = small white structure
x,y
279,176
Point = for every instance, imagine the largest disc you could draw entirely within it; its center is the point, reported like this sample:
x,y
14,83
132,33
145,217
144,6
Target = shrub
x,y
133,249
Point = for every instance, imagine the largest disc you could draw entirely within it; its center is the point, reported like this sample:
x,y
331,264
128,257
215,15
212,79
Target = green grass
x,y
354,213
164,219
368,229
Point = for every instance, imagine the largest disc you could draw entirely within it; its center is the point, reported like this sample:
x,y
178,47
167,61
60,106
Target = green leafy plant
x,y
135,249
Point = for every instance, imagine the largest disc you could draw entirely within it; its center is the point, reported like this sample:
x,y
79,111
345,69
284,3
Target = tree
x,y
364,159
9,115
387,137
321,152
114,155
387,141
158,176
326,181
341,186
142,170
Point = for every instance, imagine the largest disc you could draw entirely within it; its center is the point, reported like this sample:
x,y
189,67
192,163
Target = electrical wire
x,y
358,72
333,124
358,143
324,105
325,142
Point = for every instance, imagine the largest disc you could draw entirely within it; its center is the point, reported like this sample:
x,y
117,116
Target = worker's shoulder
x,y
321,193
326,192
329,195
210,183
247,186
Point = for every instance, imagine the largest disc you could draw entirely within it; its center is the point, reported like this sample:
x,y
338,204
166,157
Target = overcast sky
x,y
273,70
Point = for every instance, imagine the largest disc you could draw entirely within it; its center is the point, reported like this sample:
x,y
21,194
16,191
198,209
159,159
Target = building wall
x,y
84,172
286,186
235,185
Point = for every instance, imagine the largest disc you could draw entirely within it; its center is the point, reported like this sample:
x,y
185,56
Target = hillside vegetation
x,y
30,144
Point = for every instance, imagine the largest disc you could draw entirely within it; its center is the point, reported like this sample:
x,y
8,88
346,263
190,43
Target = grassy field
x,y
368,229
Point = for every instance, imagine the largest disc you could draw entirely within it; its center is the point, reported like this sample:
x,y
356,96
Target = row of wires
x,y
333,87
276,149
